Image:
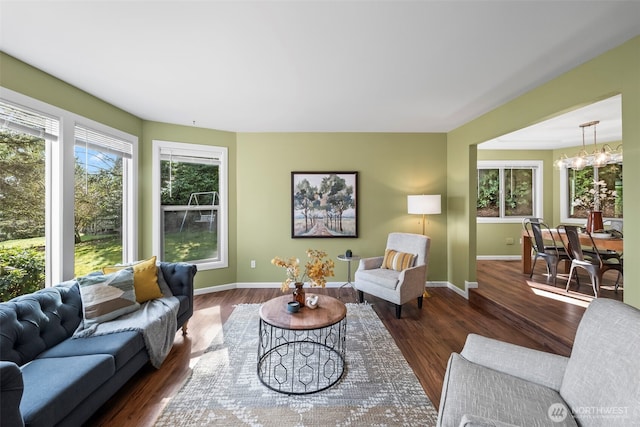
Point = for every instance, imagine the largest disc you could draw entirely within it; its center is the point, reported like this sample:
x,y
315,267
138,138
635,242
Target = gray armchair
x,y
395,282
494,383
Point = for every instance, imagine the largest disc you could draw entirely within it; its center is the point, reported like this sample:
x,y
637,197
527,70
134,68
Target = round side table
x,y
348,261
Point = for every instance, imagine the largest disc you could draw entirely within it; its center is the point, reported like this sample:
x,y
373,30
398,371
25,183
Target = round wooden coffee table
x,y
303,352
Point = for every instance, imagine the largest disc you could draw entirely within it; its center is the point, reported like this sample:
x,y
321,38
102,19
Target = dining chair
x,y
606,254
593,263
552,254
611,259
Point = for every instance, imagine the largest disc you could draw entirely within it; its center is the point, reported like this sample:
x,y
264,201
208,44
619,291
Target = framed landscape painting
x,y
324,204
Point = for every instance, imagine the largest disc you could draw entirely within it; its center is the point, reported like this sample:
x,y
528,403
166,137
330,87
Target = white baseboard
x,y
274,285
211,289
463,293
498,257
252,285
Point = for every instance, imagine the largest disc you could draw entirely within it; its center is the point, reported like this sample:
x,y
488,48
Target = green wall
x,y
389,166
616,71
23,78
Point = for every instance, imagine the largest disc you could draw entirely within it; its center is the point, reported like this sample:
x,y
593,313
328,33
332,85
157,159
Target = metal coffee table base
x,y
301,361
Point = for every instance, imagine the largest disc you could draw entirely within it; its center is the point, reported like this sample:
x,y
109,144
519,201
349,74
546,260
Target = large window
x,y
598,188
190,196
24,138
101,162
508,191
67,193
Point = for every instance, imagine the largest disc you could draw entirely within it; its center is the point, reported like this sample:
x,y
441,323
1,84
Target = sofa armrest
x,y
370,263
179,277
11,388
542,368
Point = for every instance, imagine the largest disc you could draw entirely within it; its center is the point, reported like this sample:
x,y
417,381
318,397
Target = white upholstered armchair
x,y
400,275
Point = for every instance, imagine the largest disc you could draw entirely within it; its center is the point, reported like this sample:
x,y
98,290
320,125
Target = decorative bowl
x,y
293,306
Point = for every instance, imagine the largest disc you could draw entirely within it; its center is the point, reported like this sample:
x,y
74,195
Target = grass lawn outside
x,y
95,252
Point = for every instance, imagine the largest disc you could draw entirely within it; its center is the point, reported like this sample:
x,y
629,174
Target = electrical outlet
x,y
509,241
253,263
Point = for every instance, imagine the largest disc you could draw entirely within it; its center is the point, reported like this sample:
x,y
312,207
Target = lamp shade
x,y
424,204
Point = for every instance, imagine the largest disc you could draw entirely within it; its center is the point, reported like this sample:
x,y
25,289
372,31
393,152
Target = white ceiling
x,y
312,66
564,130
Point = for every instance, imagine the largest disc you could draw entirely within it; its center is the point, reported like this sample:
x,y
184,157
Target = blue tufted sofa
x,y
48,379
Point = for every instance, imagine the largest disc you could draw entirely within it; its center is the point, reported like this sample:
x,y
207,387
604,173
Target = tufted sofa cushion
x,y
122,346
32,323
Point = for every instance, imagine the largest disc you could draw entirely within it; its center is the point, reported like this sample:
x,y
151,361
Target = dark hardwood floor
x,y
540,309
426,337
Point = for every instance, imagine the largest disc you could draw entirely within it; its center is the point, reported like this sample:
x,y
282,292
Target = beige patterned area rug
x,y
378,387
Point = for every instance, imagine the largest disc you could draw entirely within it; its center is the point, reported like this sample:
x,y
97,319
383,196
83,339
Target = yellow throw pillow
x,y
145,279
394,260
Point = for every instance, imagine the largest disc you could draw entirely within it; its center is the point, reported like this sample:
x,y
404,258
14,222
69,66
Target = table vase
x,y
298,293
594,221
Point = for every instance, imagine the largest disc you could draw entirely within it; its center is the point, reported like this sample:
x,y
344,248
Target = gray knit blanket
x,y
156,320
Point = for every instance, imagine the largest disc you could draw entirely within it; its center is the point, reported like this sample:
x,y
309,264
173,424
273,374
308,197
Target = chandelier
x,y
598,158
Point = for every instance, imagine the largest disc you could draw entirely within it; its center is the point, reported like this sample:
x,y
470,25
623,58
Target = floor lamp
x,y
424,204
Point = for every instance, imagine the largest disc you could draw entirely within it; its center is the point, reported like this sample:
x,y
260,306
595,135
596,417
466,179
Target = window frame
x,y
538,183
60,184
199,150
564,199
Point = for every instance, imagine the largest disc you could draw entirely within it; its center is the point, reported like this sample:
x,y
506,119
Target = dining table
x,y
602,243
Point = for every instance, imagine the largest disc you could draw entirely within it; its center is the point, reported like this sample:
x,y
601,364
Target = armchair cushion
x,y
381,277
396,260
480,392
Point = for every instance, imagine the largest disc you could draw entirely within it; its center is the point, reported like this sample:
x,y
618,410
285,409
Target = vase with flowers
x,y
316,270
593,201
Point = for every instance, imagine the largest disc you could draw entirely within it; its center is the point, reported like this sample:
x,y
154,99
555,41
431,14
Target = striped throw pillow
x,y
395,260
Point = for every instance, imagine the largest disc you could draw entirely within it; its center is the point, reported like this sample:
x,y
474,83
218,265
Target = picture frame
x,y
324,204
